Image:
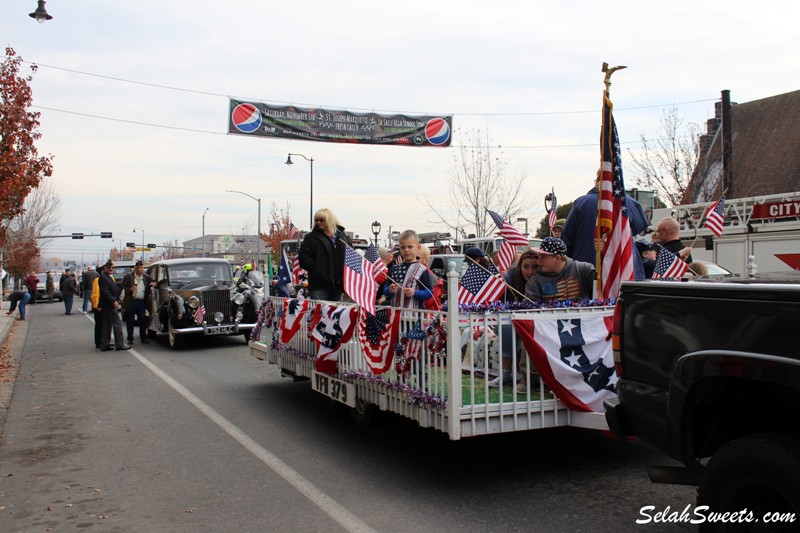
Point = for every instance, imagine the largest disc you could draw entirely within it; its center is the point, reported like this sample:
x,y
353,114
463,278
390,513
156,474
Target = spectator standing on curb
x,y
87,279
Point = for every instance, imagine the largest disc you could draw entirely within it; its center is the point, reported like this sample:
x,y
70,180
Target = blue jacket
x,y
578,232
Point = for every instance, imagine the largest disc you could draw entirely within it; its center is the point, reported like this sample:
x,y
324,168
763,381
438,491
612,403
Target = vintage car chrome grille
x,y
217,300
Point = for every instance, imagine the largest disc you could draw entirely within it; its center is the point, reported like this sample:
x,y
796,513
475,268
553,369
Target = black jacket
x,y
323,262
109,291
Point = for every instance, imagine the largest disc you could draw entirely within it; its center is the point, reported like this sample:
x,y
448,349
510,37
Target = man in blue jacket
x,y
578,233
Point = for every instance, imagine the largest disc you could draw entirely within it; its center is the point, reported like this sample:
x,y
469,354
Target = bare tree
x,y
666,164
478,181
41,212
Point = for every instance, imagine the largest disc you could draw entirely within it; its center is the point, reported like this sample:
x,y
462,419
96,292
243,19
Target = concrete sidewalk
x,y
10,350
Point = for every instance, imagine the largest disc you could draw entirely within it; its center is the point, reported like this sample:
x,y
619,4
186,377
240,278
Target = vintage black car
x,y
198,296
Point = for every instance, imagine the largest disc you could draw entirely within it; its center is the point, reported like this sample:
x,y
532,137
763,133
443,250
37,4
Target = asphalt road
x,y
211,439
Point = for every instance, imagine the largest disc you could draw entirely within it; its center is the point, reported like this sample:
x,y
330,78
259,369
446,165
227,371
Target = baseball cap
x,y
553,246
474,253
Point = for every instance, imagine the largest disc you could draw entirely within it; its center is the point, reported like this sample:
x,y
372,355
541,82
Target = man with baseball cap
x,y
559,277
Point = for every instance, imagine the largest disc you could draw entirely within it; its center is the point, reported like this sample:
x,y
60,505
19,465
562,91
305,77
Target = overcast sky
x,y
154,154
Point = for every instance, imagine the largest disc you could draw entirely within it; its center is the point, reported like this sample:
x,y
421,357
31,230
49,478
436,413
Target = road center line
x,y
327,504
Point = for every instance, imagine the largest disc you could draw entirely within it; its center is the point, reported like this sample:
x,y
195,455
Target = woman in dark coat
x,y
322,256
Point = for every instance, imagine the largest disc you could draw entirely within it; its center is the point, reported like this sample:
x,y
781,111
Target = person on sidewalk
x,y
137,286
15,299
50,287
109,303
87,279
68,289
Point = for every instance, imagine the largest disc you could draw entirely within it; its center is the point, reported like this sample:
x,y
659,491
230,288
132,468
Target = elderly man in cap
x,y
136,286
559,277
109,303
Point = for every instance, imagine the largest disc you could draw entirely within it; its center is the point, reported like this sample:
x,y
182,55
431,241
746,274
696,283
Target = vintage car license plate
x,y
339,390
219,330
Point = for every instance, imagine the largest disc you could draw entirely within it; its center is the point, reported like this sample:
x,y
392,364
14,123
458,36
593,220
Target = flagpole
x,y
598,243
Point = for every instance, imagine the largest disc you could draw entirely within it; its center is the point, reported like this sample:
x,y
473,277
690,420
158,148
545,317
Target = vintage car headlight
x,y
219,317
193,302
239,298
239,315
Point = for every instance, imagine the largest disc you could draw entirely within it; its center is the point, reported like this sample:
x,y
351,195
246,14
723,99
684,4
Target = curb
x,y
11,354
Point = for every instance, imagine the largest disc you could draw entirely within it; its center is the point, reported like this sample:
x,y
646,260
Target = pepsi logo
x,y
246,118
437,130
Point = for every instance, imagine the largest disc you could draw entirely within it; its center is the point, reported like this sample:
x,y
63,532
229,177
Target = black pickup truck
x,y
709,373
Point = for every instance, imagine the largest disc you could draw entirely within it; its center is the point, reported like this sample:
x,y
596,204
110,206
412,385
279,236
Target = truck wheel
x,y
363,413
760,473
175,340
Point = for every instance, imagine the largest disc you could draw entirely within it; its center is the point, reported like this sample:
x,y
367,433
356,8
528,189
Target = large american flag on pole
x,y
478,285
612,219
359,280
284,285
511,239
669,265
715,216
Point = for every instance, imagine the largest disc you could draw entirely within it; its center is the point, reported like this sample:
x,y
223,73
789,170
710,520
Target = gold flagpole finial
x,y
609,71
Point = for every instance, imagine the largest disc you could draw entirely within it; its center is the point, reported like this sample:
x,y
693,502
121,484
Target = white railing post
x,y
453,356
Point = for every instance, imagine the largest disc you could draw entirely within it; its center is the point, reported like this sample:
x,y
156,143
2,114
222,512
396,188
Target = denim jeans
x,y
23,303
68,304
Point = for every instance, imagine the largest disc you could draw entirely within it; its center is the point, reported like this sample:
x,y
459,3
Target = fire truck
x,y
760,233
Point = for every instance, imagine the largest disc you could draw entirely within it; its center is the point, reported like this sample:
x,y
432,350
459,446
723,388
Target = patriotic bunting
x,y
378,335
331,326
292,317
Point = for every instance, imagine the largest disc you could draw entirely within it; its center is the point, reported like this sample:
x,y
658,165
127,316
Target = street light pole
x,y
204,232
258,266
310,189
376,229
140,229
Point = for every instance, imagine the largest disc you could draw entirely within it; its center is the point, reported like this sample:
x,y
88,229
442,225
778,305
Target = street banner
x,y
316,124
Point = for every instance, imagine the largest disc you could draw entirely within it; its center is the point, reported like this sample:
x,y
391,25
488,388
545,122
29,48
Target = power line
x,y
492,114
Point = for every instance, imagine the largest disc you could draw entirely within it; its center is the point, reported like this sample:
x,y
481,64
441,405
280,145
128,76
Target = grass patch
x,y
480,396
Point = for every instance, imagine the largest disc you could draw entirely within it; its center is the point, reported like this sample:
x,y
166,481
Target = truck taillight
x,y
616,338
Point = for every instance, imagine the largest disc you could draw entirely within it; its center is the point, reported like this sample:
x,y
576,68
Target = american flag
x,y
371,254
199,314
553,217
479,286
715,215
359,280
511,239
284,285
378,335
297,271
669,265
612,220
292,231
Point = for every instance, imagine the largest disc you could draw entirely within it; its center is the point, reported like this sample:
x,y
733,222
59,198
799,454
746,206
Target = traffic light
x,y
77,235
130,244
104,235
151,245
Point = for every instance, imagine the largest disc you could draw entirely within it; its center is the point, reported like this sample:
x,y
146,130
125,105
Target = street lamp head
x,y
376,227
41,13
289,160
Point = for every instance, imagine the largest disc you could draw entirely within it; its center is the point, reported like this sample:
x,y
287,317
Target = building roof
x,y
766,151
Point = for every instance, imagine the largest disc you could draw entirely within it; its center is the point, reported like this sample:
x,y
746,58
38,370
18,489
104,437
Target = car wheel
x,y
758,472
152,333
175,340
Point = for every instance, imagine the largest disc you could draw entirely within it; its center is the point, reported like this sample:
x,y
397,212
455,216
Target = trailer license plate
x,y
336,389
219,330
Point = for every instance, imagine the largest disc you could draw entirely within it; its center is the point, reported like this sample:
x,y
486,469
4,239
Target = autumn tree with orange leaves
x,y
21,168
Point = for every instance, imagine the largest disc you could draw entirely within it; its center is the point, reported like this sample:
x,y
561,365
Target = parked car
x,y
197,296
41,288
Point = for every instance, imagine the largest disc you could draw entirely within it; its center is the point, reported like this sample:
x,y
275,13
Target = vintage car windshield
x,y
190,272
